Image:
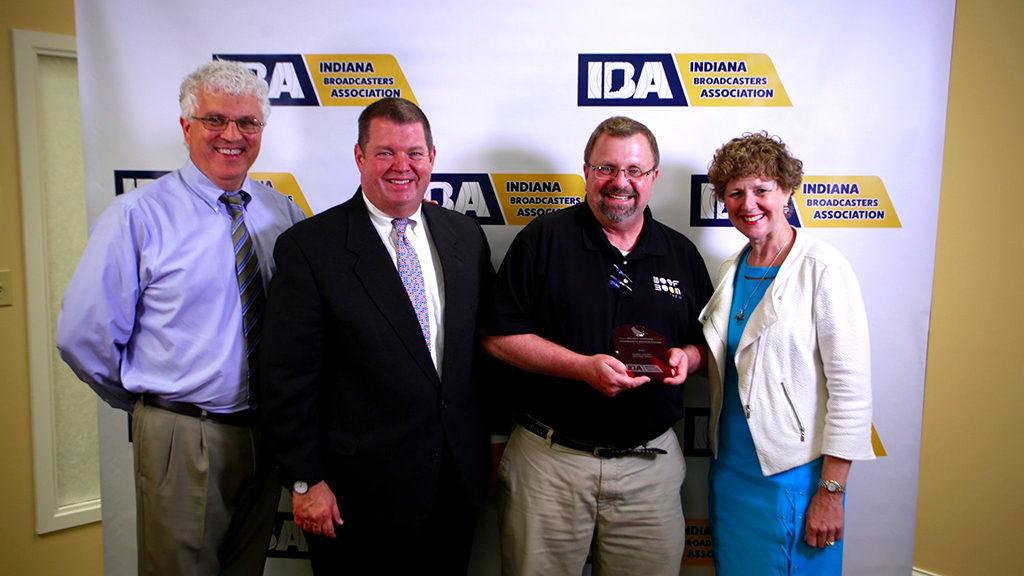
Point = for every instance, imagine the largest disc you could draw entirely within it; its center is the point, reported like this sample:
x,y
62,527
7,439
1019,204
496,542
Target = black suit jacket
x,y
349,393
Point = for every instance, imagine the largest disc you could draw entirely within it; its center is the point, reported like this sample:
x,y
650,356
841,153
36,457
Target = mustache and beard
x,y
615,212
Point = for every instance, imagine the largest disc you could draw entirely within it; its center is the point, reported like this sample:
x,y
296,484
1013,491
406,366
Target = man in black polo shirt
x,y
593,463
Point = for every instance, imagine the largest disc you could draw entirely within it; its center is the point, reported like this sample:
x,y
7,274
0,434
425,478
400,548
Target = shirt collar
x,y
594,238
206,190
382,221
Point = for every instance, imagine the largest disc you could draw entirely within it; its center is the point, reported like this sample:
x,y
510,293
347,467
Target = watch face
x,y
300,487
833,486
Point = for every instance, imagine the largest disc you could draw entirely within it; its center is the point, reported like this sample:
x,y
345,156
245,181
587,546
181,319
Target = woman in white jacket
x,y
790,375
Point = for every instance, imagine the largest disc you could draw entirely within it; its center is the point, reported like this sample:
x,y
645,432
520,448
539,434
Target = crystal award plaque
x,y
642,350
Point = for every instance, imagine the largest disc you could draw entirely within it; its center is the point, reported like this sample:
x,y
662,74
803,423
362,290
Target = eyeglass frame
x,y
614,171
258,124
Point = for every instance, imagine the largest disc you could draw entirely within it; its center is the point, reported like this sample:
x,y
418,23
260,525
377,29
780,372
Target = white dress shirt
x,y
433,282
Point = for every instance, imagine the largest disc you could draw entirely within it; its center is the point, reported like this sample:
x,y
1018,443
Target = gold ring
x,y
829,543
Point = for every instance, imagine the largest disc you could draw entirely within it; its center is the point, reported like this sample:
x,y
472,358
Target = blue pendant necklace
x,y
742,314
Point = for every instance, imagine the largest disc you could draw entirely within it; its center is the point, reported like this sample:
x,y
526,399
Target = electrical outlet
x,y
5,287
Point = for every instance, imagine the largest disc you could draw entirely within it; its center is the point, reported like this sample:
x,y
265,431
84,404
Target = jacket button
x,y
435,456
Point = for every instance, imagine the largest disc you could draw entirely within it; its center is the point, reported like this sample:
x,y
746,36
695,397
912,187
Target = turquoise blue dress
x,y
757,522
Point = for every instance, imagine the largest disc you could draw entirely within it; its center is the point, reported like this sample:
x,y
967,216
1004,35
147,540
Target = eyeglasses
x,y
633,173
220,124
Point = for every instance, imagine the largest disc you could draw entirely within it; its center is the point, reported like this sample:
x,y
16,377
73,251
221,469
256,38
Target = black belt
x,y
533,425
242,418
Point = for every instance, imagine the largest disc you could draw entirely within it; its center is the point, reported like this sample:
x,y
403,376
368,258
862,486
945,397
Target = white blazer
x,y
804,360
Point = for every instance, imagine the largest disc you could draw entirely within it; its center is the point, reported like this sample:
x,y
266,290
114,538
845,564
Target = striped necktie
x,y
250,282
412,275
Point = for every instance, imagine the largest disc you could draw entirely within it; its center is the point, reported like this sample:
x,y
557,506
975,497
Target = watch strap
x,y
832,486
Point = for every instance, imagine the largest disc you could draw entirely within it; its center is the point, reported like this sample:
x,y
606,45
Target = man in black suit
x,y
370,398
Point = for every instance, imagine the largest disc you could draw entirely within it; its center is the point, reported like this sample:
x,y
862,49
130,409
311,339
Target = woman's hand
x,y
824,520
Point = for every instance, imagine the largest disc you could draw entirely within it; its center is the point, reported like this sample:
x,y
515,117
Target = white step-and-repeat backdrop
x,y
513,89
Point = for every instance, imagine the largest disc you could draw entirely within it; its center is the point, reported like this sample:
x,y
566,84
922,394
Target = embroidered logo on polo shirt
x,y
671,287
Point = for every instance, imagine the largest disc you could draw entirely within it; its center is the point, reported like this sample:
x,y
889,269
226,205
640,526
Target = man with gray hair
x,y
162,319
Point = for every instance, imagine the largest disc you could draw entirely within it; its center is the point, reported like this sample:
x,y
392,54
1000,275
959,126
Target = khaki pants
x,y
205,494
559,504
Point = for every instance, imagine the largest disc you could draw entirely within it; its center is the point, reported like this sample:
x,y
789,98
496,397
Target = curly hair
x,y
754,154
222,77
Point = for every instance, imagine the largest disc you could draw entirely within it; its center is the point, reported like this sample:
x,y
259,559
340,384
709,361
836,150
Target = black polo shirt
x,y
554,282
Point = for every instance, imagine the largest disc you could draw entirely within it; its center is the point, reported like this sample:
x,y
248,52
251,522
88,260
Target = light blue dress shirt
x,y
153,306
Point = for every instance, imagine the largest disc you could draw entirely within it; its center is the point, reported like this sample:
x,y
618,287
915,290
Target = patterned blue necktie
x,y
250,283
412,275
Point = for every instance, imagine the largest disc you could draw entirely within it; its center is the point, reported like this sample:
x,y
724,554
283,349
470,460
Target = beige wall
x,y
970,498
76,551
971,468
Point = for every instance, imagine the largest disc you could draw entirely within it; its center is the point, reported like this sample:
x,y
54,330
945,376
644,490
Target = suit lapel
x,y
446,243
454,273
384,287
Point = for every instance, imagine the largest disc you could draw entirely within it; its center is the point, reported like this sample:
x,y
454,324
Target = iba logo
x,y
679,80
629,80
469,194
505,199
327,79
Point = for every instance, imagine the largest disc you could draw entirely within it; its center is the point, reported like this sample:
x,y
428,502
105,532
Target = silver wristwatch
x,y
832,486
300,487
